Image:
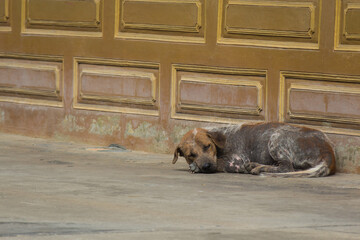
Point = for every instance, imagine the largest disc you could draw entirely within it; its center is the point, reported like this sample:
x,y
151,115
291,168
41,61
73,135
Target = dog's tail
x,y
320,170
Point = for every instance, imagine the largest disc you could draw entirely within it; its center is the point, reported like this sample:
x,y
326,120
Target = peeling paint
x,y
348,158
71,124
147,131
178,132
105,125
2,116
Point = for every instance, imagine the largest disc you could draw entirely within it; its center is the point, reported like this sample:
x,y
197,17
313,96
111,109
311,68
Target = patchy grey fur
x,y
275,149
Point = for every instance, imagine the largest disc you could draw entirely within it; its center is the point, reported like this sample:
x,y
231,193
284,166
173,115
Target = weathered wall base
x,y
133,132
347,153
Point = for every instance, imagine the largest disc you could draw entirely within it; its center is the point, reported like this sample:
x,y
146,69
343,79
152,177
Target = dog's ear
x,y
176,154
218,138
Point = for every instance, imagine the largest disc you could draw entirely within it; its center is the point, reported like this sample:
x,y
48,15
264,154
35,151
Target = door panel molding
x,y
116,86
161,20
82,18
43,85
208,82
235,28
5,16
320,99
347,28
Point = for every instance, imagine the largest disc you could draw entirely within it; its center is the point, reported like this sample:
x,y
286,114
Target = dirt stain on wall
x,y
105,125
2,116
73,124
348,158
157,137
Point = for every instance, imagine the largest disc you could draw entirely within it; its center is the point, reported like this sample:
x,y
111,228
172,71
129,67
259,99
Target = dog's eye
x,y
192,155
206,147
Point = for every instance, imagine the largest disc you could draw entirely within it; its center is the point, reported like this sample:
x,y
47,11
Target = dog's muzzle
x,y
205,168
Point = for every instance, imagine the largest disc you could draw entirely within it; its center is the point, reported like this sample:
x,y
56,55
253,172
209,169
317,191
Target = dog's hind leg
x,y
281,154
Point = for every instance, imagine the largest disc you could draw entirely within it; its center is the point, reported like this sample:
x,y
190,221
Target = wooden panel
x,y
217,93
164,20
64,16
269,23
29,80
4,15
320,99
116,86
347,32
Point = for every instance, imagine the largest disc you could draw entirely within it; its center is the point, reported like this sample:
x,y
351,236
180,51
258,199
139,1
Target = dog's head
x,y
200,148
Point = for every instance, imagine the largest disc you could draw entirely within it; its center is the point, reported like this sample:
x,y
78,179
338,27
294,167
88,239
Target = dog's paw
x,y
193,168
257,170
261,169
250,166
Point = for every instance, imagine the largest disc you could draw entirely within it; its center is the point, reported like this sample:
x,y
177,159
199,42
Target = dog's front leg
x,y
193,168
254,168
257,168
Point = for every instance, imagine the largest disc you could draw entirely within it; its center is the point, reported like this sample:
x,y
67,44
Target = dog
x,y
272,149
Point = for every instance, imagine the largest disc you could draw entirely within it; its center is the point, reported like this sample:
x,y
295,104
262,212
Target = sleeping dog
x,y
274,149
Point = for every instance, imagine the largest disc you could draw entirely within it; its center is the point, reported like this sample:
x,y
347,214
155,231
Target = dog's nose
x,y
206,166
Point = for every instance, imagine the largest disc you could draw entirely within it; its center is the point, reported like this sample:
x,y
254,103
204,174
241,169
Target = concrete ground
x,y
54,190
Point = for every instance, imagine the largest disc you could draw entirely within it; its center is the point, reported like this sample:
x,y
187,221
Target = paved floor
x,y
53,190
